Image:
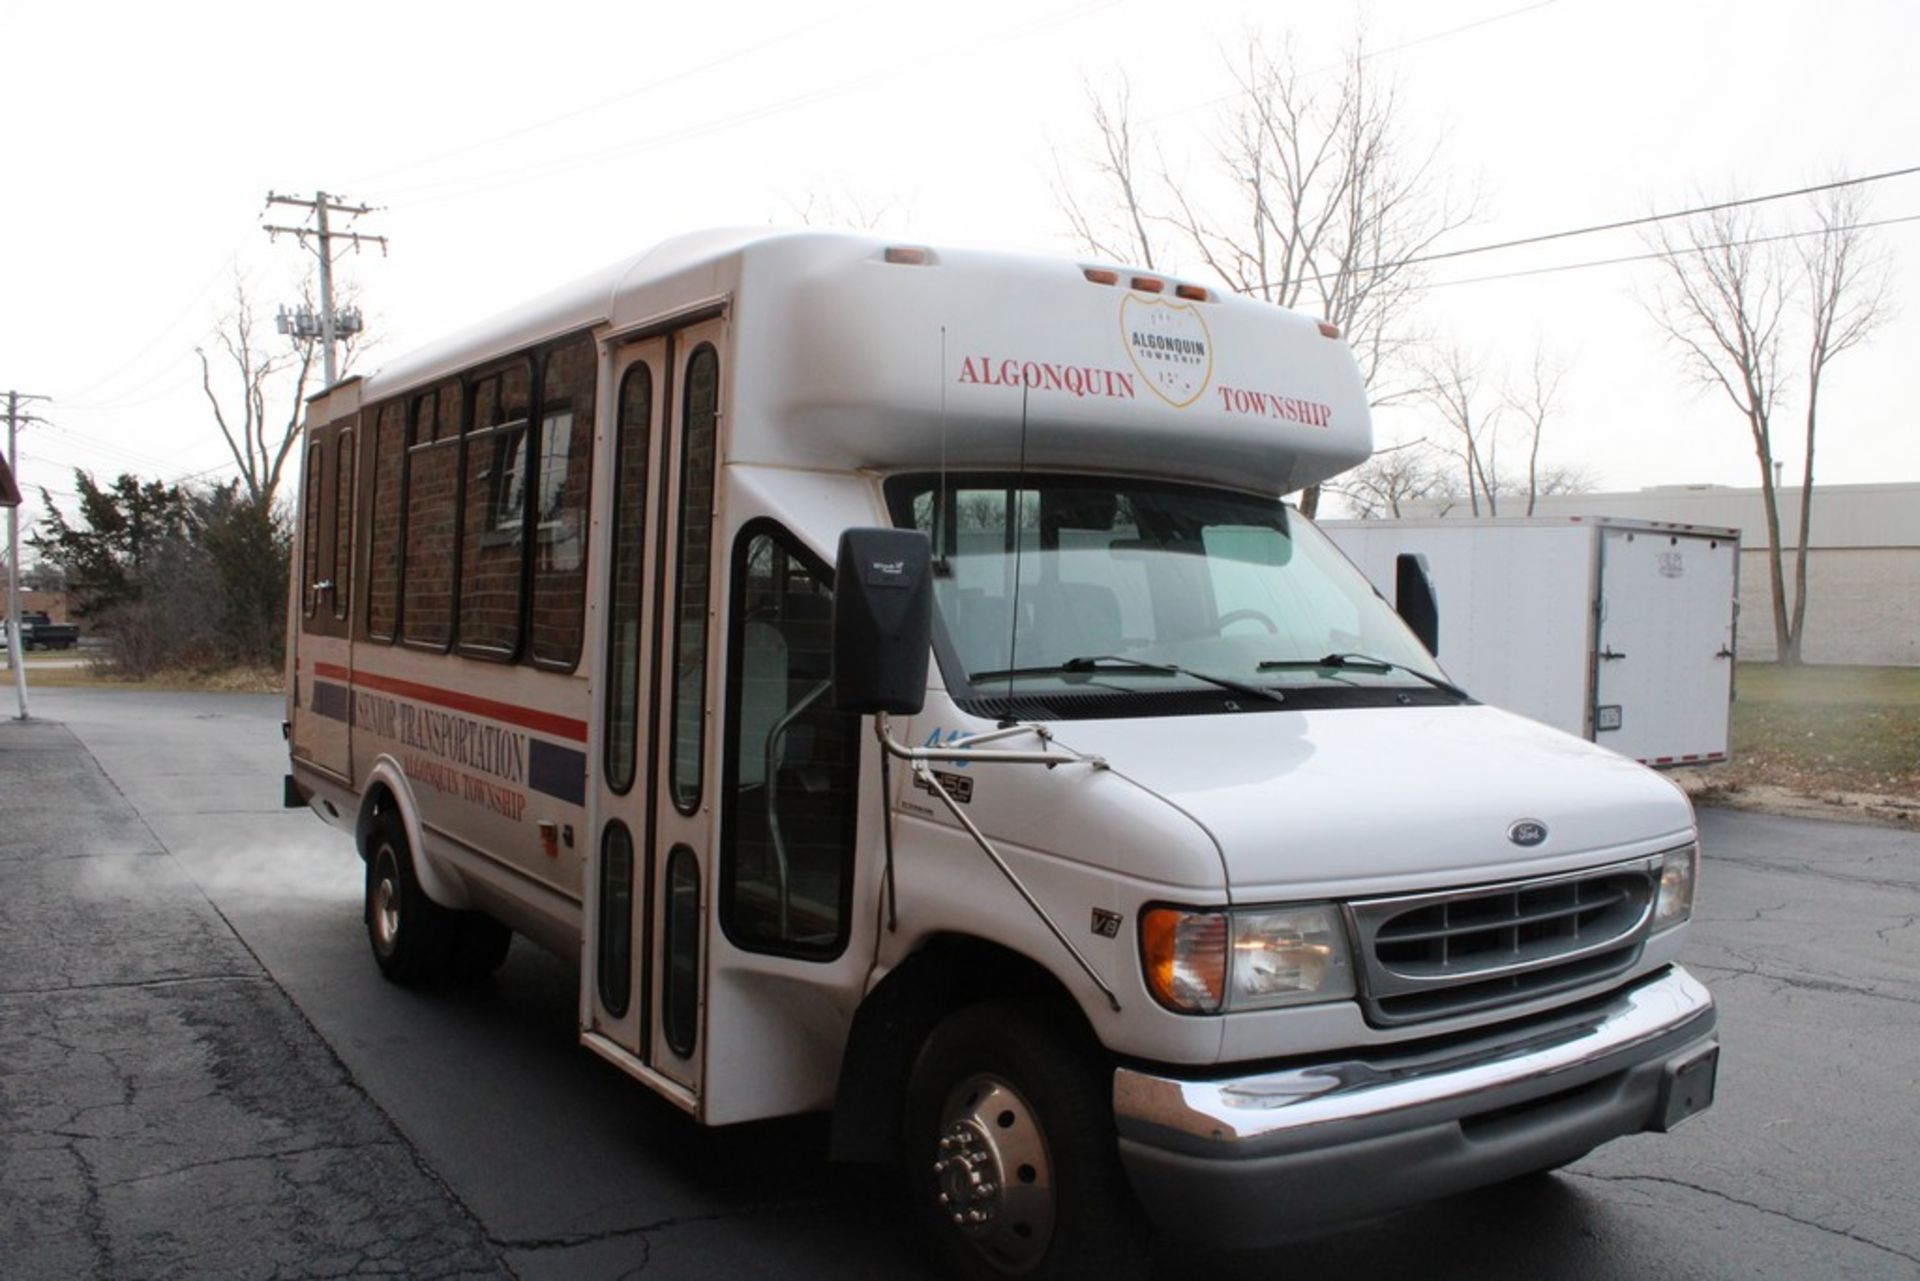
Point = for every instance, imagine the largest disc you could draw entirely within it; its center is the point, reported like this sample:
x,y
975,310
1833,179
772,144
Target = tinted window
x,y
433,456
493,512
632,440
564,466
690,589
383,559
792,768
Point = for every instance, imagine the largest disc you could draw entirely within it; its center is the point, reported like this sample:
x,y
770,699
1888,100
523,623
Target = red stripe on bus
x,y
525,717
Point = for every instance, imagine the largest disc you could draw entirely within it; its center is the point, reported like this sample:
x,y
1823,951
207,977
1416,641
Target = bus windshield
x,y
1049,584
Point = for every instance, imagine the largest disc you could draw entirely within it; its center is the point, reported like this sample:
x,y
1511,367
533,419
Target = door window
x,y
792,760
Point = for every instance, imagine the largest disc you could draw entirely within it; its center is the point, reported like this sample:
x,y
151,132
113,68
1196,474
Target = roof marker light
x,y
1101,276
1149,284
1329,330
906,254
1196,293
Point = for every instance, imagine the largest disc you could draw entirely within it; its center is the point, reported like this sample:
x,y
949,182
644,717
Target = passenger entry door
x,y
322,639
648,867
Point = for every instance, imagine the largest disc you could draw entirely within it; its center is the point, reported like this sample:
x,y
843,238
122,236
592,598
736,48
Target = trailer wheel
x,y
1010,1151
411,935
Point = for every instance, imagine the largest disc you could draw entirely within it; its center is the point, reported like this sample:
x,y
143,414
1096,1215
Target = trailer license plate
x,y
1688,1087
1607,717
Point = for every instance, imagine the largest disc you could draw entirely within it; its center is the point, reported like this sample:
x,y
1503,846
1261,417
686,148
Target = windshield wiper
x,y
1364,662
1089,664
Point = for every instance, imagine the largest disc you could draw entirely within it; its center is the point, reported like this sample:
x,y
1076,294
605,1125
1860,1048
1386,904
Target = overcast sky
x,y
512,148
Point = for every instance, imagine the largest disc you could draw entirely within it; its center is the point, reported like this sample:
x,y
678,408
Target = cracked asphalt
x,y
202,1075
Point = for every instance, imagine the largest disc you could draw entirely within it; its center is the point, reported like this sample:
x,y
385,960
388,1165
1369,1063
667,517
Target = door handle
x,y
1724,652
1608,653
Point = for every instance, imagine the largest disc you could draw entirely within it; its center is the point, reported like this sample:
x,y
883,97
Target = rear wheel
x,y
1011,1154
411,934
480,946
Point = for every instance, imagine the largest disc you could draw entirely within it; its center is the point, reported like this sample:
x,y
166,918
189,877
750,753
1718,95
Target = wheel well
x,y
949,973
379,800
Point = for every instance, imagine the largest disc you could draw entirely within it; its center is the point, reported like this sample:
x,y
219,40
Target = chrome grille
x,y
1430,956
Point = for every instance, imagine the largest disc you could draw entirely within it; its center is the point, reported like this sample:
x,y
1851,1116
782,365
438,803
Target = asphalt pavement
x,y
165,1109
201,1074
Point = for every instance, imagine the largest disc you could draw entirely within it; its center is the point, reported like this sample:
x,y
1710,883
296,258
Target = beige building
x,y
1863,560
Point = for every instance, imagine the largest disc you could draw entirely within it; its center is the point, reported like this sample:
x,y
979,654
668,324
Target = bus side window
x,y
559,536
343,524
311,499
491,546
792,760
433,454
383,557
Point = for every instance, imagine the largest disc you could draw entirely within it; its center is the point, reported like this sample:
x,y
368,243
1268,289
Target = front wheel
x,y
1010,1149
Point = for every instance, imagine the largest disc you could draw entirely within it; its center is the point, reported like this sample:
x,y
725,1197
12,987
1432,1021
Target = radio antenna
x,y
941,526
1019,543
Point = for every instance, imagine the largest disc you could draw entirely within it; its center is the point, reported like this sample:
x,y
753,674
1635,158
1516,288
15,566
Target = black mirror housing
x,y
1414,599
882,621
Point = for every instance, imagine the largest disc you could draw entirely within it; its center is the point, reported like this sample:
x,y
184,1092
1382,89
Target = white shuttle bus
x,y
893,675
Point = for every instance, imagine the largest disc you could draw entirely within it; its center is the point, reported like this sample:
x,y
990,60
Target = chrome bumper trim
x,y
1250,1116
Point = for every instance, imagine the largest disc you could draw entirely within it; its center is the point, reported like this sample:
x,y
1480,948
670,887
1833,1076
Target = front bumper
x,y
1256,1160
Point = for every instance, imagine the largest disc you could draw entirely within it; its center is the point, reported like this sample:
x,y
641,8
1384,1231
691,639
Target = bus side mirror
x,y
882,620
1414,599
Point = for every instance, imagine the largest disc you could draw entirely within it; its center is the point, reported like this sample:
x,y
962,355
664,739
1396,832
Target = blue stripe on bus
x,y
560,772
332,701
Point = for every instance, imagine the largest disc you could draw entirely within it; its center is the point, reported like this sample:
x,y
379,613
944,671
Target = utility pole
x,y
330,325
15,656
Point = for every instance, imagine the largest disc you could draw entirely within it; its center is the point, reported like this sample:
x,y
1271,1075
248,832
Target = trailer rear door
x,y
1663,661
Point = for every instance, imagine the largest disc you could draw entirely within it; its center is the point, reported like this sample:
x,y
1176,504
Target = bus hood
x,y
1383,800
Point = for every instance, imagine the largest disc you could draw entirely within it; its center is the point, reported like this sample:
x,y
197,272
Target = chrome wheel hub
x,y
386,907
993,1173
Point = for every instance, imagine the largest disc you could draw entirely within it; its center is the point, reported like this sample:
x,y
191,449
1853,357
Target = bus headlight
x,y
1207,962
1679,871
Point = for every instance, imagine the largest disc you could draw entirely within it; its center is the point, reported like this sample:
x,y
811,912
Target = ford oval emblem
x,y
1528,832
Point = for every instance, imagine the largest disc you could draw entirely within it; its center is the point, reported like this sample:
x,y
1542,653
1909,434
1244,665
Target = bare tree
x,y
848,209
258,410
1117,227
1728,292
1452,387
1319,201
1534,398
1847,282
1395,476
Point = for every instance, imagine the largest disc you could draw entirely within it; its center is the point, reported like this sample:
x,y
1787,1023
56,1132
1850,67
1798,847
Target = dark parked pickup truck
x,y
37,631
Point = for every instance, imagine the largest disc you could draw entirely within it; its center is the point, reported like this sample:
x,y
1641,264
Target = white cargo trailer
x,y
1619,631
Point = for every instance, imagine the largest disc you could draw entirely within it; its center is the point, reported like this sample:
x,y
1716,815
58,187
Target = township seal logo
x,y
1170,346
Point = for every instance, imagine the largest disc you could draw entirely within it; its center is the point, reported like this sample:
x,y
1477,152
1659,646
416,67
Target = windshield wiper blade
x,y
1365,662
1088,664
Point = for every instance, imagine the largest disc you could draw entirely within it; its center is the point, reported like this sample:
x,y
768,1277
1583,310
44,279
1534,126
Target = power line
x,y
626,95
456,188
1658,254
1647,219
1593,229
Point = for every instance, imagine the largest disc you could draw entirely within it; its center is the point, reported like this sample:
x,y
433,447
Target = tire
x,y
411,935
1010,1153
480,946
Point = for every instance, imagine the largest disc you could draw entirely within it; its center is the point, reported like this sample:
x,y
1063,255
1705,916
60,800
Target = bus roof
x,y
850,351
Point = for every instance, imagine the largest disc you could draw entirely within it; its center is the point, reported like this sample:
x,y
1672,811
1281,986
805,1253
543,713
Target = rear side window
x,y
433,457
